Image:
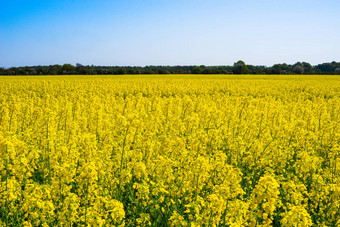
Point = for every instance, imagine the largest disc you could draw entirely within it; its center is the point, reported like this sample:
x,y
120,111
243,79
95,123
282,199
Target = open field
x,y
177,150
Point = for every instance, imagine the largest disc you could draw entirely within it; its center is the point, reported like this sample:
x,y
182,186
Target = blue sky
x,y
168,32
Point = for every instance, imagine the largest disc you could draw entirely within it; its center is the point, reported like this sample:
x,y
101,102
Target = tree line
x,y
238,67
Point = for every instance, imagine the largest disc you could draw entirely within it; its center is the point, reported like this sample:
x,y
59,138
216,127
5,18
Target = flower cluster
x,y
173,150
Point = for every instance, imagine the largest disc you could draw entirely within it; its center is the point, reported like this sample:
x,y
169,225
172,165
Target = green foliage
x,y
238,67
197,70
68,68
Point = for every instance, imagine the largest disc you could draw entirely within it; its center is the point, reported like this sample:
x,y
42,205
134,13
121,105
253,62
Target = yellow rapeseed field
x,y
174,150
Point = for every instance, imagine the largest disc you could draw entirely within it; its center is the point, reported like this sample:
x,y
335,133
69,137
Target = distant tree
x,y
42,70
99,70
131,71
68,69
298,69
276,69
162,71
92,70
80,69
55,69
307,68
286,68
84,71
240,67
196,70
120,71
13,71
207,70
327,67
33,71
226,72
203,67
147,71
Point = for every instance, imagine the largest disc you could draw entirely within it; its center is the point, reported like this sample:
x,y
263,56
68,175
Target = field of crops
x,y
174,150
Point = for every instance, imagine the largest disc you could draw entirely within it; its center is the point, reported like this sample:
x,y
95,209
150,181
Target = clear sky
x,y
168,32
